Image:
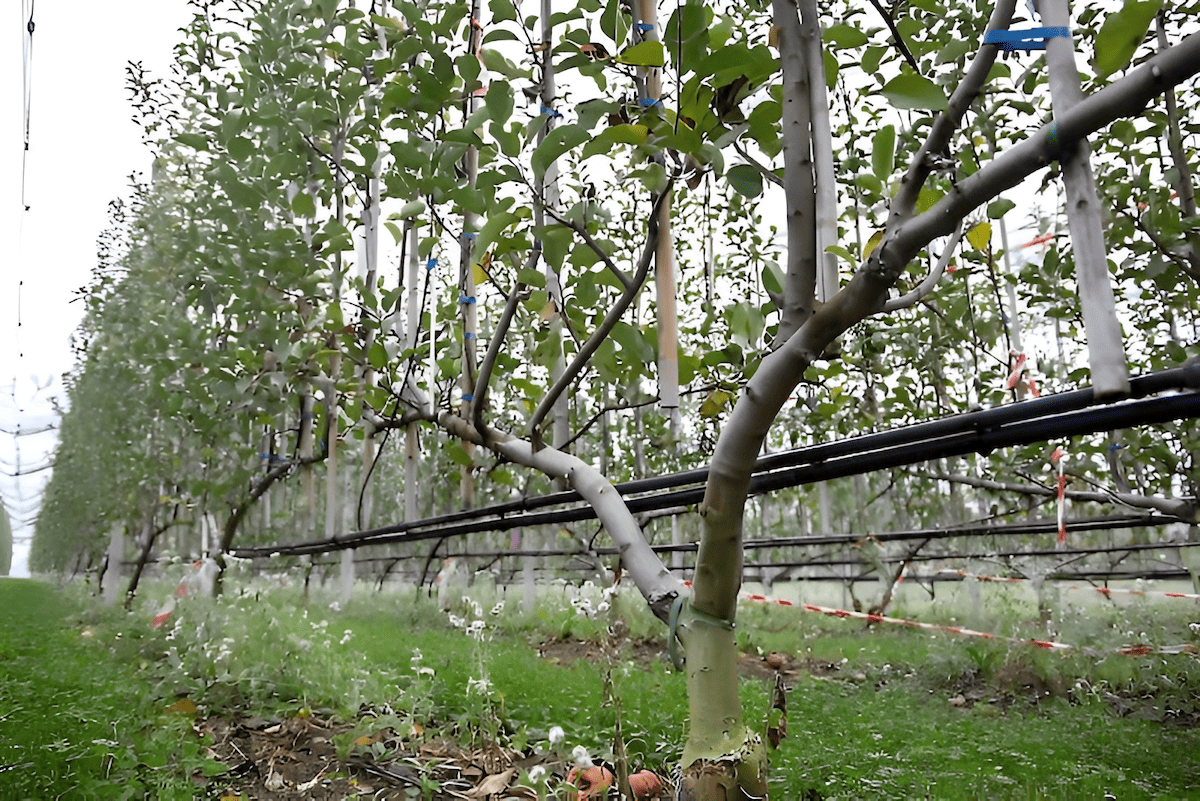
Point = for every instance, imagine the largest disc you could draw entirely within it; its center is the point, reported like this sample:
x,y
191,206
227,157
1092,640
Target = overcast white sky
x,y
82,149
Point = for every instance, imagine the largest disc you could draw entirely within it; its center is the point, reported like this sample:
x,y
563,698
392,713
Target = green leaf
x,y
928,196
557,142
241,148
1121,34
499,101
531,277
871,59
745,179
883,152
644,54
831,69
773,278
468,67
980,235
715,403
303,205
556,240
624,133
456,453
193,140
868,183
495,61
872,243
999,207
838,250
378,355
910,91
502,10
412,208
842,36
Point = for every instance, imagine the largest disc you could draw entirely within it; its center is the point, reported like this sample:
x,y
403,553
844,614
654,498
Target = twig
x,y
899,40
606,326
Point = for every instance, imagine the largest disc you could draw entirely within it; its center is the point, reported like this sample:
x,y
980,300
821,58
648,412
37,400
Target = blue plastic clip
x,y
1028,39
469,235
431,264
468,335
644,27
468,396
650,102
551,112
466,299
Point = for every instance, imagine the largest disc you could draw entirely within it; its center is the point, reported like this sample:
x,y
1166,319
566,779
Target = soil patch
x,y
296,758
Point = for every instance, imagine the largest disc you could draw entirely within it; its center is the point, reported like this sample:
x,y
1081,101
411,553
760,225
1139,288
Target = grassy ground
x,y
872,713
75,721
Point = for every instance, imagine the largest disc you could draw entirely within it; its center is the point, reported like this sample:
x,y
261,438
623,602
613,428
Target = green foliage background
x,y
229,278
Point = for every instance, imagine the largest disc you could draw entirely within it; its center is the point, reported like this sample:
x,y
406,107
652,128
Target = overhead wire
x,y
27,87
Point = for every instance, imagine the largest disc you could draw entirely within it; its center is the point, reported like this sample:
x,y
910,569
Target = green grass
x,y
73,721
84,715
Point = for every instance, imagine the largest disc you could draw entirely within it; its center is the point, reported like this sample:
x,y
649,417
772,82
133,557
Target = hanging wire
x,y
27,81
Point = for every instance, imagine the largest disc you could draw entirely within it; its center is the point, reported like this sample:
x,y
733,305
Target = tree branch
x,y
905,202
767,172
489,359
899,40
588,240
1183,185
649,573
925,287
1123,98
1187,261
1186,510
606,326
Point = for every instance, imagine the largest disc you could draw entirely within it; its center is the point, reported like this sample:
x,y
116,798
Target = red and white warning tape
x,y
200,575
1059,458
1019,363
1128,650
1102,590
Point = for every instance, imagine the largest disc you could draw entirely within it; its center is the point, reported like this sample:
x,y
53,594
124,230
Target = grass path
x,y
74,723
85,716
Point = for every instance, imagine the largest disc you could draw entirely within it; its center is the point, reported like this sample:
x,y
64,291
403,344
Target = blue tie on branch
x,y
1028,39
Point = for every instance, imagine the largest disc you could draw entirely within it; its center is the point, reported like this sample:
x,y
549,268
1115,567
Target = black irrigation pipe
x,y
959,557
829,561
1090,576
1054,416
1015,529
939,577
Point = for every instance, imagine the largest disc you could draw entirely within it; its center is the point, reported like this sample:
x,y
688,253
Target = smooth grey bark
x,y
1106,346
648,572
1183,184
799,289
921,290
822,146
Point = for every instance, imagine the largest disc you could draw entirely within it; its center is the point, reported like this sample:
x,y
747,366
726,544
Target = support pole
x,y
1106,348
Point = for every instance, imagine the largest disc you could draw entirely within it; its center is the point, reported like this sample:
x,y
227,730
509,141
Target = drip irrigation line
x,y
940,577
1105,523
1052,417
